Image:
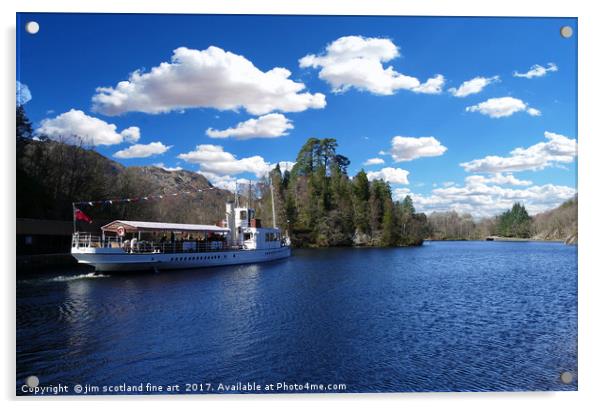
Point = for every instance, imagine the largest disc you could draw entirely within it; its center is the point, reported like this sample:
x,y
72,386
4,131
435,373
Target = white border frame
x,y
589,166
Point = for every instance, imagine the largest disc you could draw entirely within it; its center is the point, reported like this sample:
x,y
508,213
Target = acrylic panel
x,y
214,204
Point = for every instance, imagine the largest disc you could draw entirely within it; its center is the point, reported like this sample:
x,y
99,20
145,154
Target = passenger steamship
x,y
135,245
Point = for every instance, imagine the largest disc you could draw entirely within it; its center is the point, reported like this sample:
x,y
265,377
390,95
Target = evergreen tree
x,y
325,208
361,197
515,222
24,129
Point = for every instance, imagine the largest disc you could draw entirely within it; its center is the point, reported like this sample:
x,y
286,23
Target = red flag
x,y
79,215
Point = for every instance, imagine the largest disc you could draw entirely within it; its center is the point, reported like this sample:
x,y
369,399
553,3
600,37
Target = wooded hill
x,y
316,203
556,224
320,205
51,175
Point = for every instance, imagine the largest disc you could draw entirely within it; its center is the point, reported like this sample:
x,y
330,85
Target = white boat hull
x,y
114,260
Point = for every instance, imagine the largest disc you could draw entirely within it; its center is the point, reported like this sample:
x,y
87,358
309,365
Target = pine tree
x,y
24,129
515,222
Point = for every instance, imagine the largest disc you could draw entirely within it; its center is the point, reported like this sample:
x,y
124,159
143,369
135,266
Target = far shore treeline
x,y
317,203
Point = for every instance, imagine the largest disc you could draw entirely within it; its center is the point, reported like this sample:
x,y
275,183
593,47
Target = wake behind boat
x,y
135,245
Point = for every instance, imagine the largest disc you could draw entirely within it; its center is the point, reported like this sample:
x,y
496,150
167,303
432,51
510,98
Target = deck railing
x,y
148,246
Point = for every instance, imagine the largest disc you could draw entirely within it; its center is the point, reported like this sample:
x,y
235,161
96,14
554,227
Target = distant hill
x,y
557,224
51,175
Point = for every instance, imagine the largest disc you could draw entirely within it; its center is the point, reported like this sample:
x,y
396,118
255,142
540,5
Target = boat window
x,y
243,215
248,236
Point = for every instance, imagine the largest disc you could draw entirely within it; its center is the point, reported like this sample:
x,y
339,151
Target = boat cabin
x,y
240,231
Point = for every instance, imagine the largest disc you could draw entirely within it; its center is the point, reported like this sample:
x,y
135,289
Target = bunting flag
x,y
79,215
134,199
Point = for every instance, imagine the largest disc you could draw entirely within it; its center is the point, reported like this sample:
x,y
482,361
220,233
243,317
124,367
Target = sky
x,y
465,114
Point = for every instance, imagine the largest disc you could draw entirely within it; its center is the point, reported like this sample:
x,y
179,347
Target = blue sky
x,y
364,81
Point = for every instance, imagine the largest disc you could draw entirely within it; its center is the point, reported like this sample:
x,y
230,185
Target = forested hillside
x,y
52,175
316,202
555,224
320,205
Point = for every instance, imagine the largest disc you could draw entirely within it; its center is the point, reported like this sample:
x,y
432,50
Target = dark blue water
x,y
448,316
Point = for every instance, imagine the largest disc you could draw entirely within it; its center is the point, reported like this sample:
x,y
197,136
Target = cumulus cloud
x,y
431,86
227,182
23,94
374,161
266,126
223,181
131,134
213,159
142,151
485,200
473,86
286,165
406,148
357,62
76,127
558,149
391,175
502,107
167,168
400,193
211,78
497,178
537,71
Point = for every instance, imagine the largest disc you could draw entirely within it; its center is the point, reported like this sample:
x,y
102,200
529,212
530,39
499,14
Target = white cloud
x,y
213,159
558,149
167,168
497,178
533,112
131,134
374,161
502,107
142,151
223,181
391,175
431,86
23,94
266,126
473,86
286,165
537,71
400,193
484,200
406,148
76,127
211,78
357,62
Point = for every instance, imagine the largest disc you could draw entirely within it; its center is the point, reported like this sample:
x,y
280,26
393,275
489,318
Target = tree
x,y
325,207
24,129
361,196
515,222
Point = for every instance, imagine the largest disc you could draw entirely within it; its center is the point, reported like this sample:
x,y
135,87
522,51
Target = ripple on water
x,y
446,316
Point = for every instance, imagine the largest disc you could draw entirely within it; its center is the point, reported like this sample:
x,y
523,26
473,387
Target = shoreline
x,y
503,239
38,263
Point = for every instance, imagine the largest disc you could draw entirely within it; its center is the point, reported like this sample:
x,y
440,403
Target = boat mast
x,y
250,202
236,194
273,206
74,222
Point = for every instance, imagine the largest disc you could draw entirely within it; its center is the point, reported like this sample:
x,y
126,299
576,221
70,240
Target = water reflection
x,y
447,316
